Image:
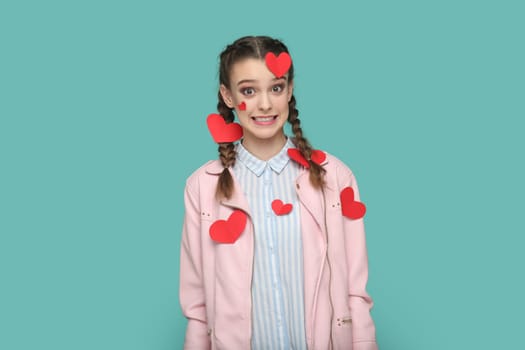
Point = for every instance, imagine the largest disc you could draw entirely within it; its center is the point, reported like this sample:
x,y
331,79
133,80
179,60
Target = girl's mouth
x,y
266,120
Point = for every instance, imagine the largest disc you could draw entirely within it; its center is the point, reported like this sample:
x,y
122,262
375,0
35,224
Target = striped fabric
x,y
277,285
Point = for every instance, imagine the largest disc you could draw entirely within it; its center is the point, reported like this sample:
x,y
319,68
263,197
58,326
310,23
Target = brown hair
x,y
257,47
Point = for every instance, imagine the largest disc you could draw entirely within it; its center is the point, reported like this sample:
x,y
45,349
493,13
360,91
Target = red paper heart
x,y
242,106
222,132
351,209
279,208
278,65
317,157
227,231
294,154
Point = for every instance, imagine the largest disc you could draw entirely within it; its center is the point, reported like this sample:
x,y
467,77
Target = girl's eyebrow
x,y
254,80
246,81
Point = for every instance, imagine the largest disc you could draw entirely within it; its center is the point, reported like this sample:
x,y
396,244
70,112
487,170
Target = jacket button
x,y
298,187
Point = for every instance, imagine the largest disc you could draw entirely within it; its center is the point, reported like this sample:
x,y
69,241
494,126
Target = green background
x,y
102,118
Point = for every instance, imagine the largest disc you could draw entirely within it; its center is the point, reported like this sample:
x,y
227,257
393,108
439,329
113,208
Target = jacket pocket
x,y
342,333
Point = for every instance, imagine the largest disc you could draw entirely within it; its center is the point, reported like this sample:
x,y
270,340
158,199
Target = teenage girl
x,y
273,252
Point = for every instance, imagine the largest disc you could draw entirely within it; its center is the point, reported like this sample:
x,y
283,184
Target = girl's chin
x,y
266,137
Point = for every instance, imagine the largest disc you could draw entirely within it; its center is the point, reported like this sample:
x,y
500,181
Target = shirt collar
x,y
277,163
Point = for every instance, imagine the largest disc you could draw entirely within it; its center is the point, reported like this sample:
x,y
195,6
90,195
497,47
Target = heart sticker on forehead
x,y
278,65
222,132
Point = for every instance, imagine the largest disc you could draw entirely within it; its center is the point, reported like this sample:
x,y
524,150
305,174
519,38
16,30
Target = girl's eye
x,y
248,91
277,88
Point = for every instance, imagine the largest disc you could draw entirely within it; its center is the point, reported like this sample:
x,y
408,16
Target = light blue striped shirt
x,y
277,285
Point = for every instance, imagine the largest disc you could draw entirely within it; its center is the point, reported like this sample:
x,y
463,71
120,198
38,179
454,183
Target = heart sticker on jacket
x,y
227,231
317,157
351,208
296,155
279,208
222,132
278,65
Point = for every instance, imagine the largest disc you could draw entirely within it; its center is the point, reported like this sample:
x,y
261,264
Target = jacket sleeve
x,y
192,293
363,328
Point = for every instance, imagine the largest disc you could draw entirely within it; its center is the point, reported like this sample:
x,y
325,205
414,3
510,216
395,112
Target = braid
x,y
226,154
316,171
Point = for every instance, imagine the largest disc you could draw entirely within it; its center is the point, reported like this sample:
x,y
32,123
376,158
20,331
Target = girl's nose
x,y
265,102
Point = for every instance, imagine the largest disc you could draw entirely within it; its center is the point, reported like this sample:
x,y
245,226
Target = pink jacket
x,y
215,279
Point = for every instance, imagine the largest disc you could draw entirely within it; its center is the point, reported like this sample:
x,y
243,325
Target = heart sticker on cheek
x,y
222,132
278,65
227,231
351,208
242,106
279,208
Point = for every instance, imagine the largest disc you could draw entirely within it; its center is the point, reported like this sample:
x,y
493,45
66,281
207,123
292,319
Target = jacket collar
x,y
311,198
214,167
237,200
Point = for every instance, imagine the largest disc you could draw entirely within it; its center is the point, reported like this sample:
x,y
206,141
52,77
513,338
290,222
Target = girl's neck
x,y
265,149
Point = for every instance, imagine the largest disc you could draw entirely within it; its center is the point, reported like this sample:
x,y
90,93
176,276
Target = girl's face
x,y
260,100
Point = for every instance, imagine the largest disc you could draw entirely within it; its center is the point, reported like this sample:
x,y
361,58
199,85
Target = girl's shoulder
x,y
337,171
211,168
332,162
